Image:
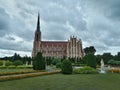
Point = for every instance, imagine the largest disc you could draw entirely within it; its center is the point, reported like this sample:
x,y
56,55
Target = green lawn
x,y
65,82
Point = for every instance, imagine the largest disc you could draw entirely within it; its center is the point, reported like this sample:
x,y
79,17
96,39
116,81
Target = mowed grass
x,y
65,82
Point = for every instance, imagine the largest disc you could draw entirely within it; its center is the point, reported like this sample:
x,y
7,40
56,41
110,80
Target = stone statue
x,y
102,69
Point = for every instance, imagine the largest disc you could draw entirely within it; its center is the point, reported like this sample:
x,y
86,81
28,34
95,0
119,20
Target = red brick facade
x,y
71,48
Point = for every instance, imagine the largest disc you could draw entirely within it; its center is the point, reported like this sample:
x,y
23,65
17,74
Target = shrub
x,y
85,70
90,60
29,66
16,63
67,67
59,65
38,62
21,67
8,63
11,67
12,77
113,62
1,62
3,67
55,61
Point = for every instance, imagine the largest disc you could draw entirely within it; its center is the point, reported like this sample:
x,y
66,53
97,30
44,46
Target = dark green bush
x,y
113,62
59,65
55,61
16,63
85,70
39,62
3,67
67,67
90,60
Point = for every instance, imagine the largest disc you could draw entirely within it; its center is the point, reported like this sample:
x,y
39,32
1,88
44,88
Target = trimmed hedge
x,y
3,67
16,67
39,62
11,67
26,75
17,72
67,67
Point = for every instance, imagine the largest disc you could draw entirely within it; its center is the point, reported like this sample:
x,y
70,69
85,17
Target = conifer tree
x,y
38,62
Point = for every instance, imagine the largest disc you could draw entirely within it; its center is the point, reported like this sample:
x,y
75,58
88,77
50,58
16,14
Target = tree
x,y
90,60
90,49
16,57
117,57
38,62
106,57
113,62
98,58
67,67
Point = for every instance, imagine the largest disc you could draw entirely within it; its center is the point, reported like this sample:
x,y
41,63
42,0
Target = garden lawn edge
x,y
20,76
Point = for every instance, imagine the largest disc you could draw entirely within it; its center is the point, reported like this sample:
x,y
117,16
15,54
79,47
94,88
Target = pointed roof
x,y
38,23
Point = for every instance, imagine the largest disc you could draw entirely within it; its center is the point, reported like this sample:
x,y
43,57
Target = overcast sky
x,y
96,22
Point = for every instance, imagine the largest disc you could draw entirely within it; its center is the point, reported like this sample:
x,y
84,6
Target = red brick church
x,y
59,49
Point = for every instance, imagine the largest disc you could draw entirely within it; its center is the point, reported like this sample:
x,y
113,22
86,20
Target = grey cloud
x,y
110,8
95,22
4,22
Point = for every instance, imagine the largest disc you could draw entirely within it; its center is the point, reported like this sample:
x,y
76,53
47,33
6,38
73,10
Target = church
x,y
58,49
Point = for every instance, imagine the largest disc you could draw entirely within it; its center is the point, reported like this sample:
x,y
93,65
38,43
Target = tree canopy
x,y
90,49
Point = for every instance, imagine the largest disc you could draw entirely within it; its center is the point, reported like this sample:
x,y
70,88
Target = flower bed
x,y
114,70
12,77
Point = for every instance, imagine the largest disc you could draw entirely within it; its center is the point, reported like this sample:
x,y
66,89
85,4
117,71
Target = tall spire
x,y
38,23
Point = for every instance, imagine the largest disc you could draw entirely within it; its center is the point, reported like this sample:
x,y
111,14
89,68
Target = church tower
x,y
37,39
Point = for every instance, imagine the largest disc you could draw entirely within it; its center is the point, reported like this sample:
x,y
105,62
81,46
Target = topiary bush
x,y
67,67
90,60
85,70
39,62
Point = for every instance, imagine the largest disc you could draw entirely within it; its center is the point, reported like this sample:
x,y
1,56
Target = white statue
x,y
102,69
102,63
